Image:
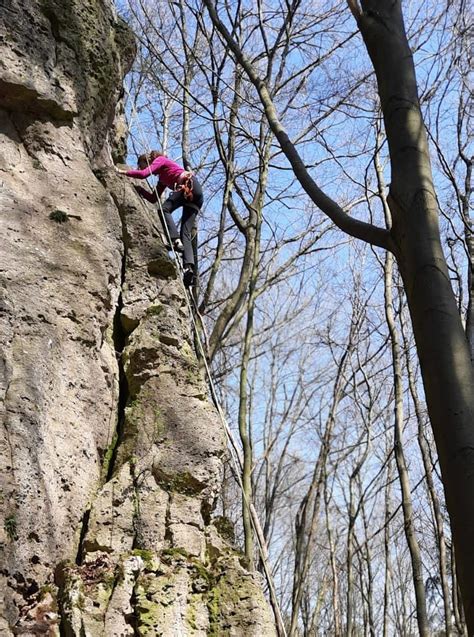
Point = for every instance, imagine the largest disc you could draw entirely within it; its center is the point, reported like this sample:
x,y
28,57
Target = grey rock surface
x,y
110,452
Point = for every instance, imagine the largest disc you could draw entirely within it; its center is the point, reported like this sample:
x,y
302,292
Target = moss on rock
x,y
103,48
109,452
170,590
225,528
182,482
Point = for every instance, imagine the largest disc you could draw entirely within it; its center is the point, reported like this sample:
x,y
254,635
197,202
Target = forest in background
x,y
310,339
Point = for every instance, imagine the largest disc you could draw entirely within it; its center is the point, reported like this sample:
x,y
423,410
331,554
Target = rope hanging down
x,y
235,453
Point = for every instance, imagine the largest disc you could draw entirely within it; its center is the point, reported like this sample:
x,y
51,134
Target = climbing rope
x,y
235,452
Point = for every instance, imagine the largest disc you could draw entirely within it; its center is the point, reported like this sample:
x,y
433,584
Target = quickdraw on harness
x,y
186,185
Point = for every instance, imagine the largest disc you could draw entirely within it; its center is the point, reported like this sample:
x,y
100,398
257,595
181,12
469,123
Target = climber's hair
x,y
148,158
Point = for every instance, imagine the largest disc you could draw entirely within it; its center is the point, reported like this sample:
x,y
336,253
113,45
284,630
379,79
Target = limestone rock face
x,y
110,452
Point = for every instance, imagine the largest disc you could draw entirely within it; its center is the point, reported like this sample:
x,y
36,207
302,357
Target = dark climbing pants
x,y
188,219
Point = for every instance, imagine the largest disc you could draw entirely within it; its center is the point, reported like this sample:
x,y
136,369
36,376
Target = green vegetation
x,y
183,483
174,552
149,557
154,310
225,528
10,527
108,455
213,607
59,216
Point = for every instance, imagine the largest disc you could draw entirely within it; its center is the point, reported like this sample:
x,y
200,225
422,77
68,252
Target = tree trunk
x,y
407,507
440,338
432,492
244,429
332,558
386,543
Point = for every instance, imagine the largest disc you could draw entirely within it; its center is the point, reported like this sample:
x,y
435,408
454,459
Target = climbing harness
x,y
235,453
186,186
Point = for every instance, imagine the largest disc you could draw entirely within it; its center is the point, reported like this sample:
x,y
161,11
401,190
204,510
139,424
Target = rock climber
x,y
186,192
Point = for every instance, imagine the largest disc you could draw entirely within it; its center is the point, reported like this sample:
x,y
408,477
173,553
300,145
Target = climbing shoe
x,y
178,245
188,275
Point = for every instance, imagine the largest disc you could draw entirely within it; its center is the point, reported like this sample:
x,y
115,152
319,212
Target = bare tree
x,y
415,241
202,100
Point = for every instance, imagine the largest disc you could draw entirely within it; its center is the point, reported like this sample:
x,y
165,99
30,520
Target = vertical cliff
x,y
110,453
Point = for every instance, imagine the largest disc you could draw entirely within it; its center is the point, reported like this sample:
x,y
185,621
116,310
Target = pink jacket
x,y
167,170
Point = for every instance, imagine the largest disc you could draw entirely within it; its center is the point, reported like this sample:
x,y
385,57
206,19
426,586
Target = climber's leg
x,y
175,200
187,224
188,221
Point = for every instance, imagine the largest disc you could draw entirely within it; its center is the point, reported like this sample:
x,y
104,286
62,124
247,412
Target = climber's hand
x,y
119,171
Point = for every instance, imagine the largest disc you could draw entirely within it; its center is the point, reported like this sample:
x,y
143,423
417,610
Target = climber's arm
x,y
145,194
151,169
